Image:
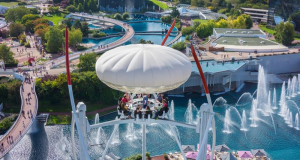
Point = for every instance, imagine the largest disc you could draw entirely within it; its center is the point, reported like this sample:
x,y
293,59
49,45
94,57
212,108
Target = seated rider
x,y
125,110
138,112
148,112
161,111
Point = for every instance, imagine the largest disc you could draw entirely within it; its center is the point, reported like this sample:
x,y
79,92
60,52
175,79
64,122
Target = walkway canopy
x,y
143,68
222,148
259,152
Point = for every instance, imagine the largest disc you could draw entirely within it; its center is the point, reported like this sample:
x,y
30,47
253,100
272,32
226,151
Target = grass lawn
x,y
55,18
160,4
8,4
264,28
200,20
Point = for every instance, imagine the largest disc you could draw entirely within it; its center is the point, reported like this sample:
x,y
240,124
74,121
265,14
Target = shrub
x,y
179,46
187,30
27,44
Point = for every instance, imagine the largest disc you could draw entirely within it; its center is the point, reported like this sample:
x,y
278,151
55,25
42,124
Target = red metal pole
x,y
169,32
67,56
200,69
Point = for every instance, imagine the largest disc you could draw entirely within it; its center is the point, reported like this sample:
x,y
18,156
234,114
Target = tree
x,y
71,8
118,16
166,19
248,21
285,33
222,24
175,12
142,41
6,55
194,3
69,24
15,29
92,5
75,37
80,7
54,10
15,14
41,20
85,6
41,33
203,30
125,16
29,25
54,38
77,24
4,33
85,29
29,17
87,62
295,17
187,30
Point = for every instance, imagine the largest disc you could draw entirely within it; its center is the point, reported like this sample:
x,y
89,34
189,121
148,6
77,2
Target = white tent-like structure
x,y
143,68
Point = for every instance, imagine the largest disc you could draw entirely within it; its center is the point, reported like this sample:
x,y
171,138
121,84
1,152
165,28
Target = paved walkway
x,y
24,121
87,113
129,33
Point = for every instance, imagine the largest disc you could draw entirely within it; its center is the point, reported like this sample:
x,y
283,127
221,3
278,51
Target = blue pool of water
x,y
284,145
150,26
213,66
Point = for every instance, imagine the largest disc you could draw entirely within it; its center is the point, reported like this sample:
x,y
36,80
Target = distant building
x,y
121,5
257,15
219,32
3,9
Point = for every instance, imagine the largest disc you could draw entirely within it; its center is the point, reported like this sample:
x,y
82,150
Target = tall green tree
x,y
85,6
77,24
125,16
93,5
75,37
85,29
87,62
175,12
54,38
248,21
118,16
80,7
16,14
28,17
15,29
6,55
285,33
295,17
194,3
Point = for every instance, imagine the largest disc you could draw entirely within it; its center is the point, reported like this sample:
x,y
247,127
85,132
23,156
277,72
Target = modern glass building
x,y
280,10
121,5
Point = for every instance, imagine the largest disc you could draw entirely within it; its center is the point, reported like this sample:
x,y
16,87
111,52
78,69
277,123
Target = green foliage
x,y
87,62
204,30
54,37
138,157
54,10
15,14
86,87
75,37
6,123
118,16
194,3
85,28
77,24
27,44
285,33
175,12
187,30
179,46
15,29
295,17
69,24
29,25
125,16
248,21
4,33
29,17
71,8
80,7
166,19
160,4
142,41
92,5
96,34
6,55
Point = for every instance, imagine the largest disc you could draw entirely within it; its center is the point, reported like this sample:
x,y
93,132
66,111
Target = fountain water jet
x,y
220,102
171,111
289,92
244,121
244,99
130,132
294,86
269,106
274,100
296,125
254,116
97,118
189,116
291,120
227,122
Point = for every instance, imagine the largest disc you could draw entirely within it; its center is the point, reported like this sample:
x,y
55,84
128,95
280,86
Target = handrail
x,y
16,124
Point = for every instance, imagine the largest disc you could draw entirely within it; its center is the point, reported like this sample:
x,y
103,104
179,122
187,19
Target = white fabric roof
x,y
182,10
143,68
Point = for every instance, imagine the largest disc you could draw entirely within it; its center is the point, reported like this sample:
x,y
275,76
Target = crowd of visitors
x,y
143,110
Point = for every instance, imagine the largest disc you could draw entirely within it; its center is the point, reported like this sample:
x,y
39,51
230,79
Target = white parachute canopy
x,y
143,68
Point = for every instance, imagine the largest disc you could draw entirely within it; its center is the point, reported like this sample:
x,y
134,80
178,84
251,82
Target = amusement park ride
x,y
149,69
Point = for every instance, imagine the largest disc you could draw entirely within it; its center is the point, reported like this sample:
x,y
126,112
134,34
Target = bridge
x,y
24,120
129,33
